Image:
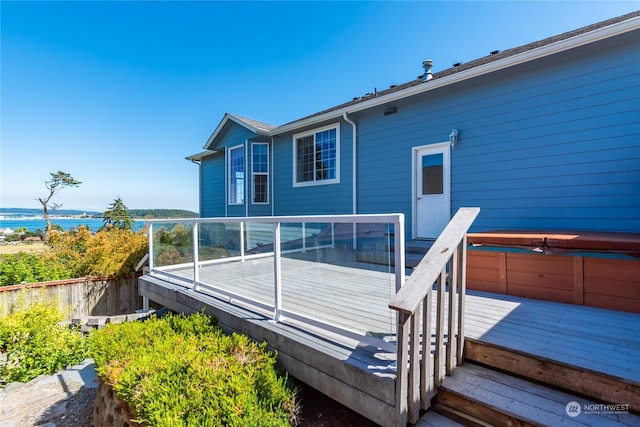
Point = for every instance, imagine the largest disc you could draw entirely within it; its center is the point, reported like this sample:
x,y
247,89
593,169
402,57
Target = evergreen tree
x,y
117,216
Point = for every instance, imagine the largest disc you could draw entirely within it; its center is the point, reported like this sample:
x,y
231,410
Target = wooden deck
x,y
354,360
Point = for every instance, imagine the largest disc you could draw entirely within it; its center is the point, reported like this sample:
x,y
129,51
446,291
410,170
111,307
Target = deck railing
x,y
417,377
184,250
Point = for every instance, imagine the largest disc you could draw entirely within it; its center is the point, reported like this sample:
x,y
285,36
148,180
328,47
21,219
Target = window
x,y
316,157
236,175
260,172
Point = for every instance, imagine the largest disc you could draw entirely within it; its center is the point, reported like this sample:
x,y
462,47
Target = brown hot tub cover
x,y
561,241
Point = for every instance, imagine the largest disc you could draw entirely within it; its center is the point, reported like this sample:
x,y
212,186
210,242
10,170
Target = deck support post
x,y
277,272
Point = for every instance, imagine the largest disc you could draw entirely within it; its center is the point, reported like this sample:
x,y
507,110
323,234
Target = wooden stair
x,y
500,386
474,395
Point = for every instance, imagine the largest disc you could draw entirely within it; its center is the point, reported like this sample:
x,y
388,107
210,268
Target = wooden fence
x,y
96,296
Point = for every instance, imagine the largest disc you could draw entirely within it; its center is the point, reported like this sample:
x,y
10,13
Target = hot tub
x,y
588,268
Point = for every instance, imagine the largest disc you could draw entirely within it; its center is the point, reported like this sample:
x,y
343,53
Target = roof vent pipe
x,y
427,64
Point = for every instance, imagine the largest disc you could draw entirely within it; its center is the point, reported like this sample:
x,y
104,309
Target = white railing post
x,y
242,241
150,247
196,270
304,238
398,247
277,272
333,235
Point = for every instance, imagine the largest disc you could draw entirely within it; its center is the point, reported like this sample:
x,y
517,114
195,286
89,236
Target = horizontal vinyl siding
x,y
212,186
554,144
564,151
214,170
325,199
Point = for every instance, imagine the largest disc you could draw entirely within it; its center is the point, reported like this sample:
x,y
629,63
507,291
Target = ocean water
x,y
32,224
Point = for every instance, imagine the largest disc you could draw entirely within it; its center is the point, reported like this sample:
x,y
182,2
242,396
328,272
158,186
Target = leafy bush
x,y
109,252
184,371
30,268
34,343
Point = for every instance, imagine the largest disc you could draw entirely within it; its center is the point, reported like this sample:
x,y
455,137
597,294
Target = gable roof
x,y
488,64
254,126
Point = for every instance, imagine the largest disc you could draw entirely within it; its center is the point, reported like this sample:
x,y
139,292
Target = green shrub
x,y
34,343
31,268
184,371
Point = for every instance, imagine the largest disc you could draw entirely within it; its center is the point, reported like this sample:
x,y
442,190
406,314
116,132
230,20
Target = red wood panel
x,y
619,270
540,271
612,302
547,294
483,271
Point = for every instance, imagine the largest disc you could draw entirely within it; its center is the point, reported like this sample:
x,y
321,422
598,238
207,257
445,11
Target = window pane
x,y
236,175
432,178
304,159
260,189
326,154
260,157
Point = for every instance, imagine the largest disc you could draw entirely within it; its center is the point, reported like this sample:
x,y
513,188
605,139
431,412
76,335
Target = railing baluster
x,y
437,361
461,299
426,381
414,369
451,329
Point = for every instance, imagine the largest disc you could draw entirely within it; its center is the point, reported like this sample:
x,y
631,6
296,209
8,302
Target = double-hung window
x,y
236,175
316,156
260,172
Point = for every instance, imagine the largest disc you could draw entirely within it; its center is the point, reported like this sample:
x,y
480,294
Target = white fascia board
x,y
199,156
511,61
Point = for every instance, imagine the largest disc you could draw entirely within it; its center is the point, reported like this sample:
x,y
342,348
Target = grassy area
x,y
31,247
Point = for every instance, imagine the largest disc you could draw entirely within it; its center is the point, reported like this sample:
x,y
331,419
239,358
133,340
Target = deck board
x,y
346,295
357,299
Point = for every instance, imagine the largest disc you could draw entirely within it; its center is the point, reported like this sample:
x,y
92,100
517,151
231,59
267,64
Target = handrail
x,y
417,380
409,297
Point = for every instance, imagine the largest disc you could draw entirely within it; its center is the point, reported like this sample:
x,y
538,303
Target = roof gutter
x,y
520,58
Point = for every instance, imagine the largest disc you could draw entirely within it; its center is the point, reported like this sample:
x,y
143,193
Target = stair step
x,y
477,395
433,419
573,379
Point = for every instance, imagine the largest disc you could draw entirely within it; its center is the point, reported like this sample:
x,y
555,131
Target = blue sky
x,y
118,93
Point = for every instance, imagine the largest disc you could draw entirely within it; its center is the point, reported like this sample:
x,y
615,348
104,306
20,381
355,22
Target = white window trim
x,y
336,180
253,174
229,177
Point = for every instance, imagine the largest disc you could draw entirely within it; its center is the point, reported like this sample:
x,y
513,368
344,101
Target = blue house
x,y
542,136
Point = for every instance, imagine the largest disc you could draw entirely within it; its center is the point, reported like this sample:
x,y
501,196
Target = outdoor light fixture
x,y
453,138
390,110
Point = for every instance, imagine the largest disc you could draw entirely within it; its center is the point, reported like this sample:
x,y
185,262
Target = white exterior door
x,y
432,184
